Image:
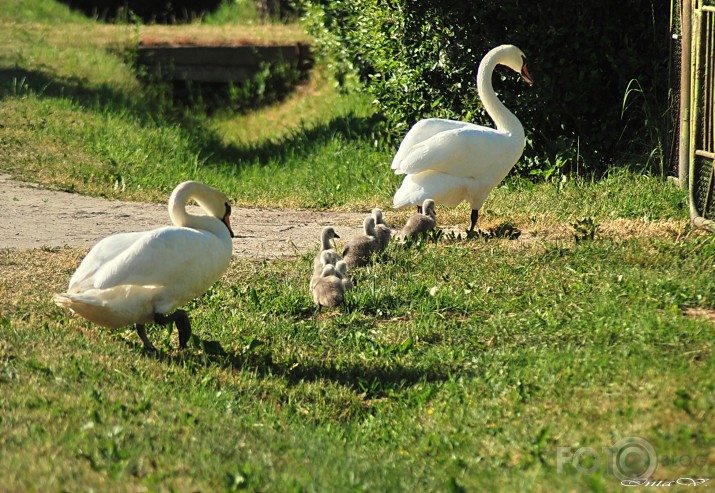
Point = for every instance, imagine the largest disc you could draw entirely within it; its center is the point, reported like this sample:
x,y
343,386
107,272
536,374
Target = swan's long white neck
x,y
503,118
181,218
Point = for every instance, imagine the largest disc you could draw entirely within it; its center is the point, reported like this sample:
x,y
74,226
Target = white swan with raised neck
x,y
451,161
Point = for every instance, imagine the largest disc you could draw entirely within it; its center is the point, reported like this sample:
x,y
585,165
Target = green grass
x,y
76,117
232,12
561,345
37,11
453,366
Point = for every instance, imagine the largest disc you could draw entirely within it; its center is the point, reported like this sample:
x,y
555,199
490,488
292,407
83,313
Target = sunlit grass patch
x,y
234,34
510,357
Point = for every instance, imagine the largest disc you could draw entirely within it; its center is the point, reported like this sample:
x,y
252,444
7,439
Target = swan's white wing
x,y
442,188
466,152
421,131
162,257
101,254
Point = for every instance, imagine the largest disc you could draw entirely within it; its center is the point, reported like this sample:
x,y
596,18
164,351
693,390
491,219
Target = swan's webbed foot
x,y
478,234
141,330
181,320
475,232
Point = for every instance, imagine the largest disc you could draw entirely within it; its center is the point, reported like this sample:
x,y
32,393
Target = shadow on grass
x,y
19,82
298,144
152,111
379,377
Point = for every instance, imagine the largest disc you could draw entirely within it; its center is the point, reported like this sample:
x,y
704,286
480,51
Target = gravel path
x,y
33,217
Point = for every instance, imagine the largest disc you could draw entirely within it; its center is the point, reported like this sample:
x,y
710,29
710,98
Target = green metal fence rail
x,y
697,110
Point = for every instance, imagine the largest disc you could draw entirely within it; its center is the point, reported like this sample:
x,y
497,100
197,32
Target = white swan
x,y
140,278
452,161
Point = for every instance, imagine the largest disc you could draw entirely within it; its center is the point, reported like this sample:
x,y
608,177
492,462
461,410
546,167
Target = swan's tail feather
x,y
62,300
88,308
69,302
113,308
407,195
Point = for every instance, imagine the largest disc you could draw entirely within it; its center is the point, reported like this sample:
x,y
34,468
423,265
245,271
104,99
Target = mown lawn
x,y
524,347
453,366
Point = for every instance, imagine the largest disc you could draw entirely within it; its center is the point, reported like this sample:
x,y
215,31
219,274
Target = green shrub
x,y
419,59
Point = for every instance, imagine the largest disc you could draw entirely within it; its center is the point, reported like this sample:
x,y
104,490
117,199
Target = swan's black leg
x,y
475,216
419,209
142,335
181,319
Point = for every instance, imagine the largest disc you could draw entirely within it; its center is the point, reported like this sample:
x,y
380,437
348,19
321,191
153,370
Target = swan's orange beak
x,y
227,221
526,75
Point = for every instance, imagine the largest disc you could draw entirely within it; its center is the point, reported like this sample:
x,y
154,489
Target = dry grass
x,y
108,35
82,35
700,313
226,35
544,227
27,274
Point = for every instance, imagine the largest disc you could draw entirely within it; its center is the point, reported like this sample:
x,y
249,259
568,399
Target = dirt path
x,y
33,217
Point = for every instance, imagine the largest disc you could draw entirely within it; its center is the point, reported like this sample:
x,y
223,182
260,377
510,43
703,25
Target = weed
x,y
638,107
585,229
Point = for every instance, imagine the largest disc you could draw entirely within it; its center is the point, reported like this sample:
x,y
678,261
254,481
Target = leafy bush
x,y
419,59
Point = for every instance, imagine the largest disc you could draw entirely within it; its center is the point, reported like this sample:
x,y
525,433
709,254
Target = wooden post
x,y
685,62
